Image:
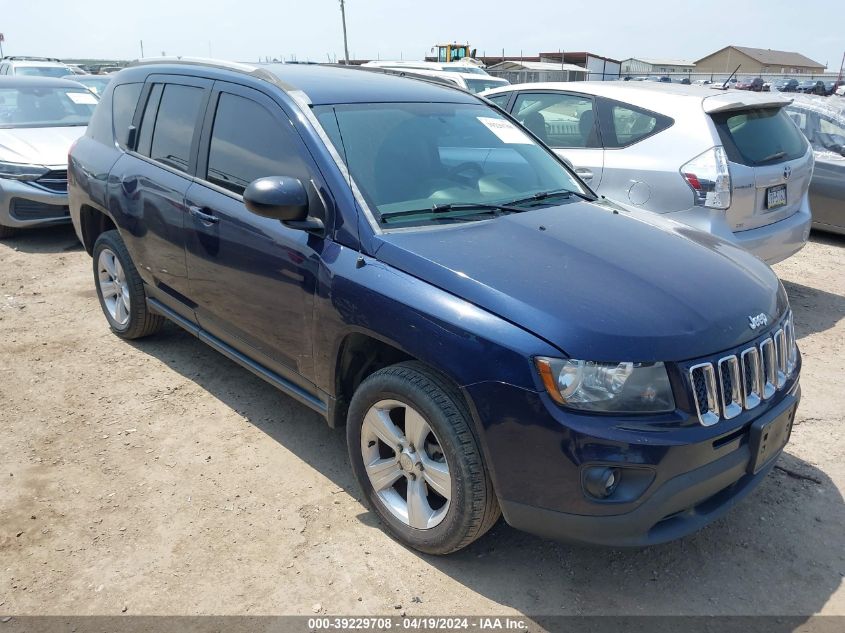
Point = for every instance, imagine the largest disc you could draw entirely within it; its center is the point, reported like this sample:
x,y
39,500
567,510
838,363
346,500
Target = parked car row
x,y
431,271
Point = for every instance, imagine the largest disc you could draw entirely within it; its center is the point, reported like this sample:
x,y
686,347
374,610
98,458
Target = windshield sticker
x,y
505,130
82,98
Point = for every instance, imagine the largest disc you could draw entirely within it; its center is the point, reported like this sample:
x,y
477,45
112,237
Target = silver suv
x,y
34,67
725,161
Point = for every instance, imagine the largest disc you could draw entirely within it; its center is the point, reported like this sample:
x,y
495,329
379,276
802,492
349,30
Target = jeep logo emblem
x,y
757,321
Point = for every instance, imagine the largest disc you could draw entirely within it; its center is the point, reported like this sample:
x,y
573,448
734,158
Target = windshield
x,y
95,84
40,106
42,71
480,85
410,158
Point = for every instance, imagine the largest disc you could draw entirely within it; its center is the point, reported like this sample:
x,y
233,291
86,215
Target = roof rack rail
x,y
30,58
408,74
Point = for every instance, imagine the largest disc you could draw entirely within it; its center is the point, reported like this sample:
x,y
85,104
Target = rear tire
x,y
121,290
409,434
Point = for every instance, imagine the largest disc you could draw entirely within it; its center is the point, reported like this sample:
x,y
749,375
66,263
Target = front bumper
x,y
698,473
25,205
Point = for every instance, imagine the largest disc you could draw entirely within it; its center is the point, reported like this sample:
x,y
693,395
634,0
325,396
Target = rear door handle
x,y
202,214
585,174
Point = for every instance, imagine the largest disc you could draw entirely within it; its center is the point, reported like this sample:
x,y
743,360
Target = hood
x,y
38,145
597,281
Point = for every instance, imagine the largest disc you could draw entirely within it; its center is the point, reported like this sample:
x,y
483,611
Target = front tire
x,y
121,290
417,460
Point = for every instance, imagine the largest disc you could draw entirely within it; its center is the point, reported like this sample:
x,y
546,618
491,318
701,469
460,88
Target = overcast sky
x,y
311,29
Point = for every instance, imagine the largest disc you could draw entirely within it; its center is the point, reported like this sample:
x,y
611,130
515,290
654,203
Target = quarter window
x,y
624,124
248,142
500,100
559,120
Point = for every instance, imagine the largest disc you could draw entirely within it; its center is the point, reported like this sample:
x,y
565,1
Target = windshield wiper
x,y
774,156
453,206
543,195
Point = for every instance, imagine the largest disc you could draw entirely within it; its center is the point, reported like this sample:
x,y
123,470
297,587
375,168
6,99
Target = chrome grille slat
x,y
781,352
768,368
703,379
729,386
752,379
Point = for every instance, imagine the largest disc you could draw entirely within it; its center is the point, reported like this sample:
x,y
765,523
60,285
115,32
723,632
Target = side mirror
x,y
278,198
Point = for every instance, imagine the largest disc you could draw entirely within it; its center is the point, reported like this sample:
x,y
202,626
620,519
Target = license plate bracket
x,y
776,196
768,437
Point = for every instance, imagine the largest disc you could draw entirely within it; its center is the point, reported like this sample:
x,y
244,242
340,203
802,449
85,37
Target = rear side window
x,y
124,99
248,142
759,136
623,124
559,120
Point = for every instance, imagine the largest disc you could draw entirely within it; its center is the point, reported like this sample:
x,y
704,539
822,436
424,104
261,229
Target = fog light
x,y
601,481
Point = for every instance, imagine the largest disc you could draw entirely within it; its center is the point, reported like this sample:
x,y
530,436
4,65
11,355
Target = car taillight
x,y
709,178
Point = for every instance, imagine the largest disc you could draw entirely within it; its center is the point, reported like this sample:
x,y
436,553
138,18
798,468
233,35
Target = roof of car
x,y
717,99
324,84
17,81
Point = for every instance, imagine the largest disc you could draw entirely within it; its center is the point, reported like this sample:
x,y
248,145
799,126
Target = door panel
x,y
253,279
149,195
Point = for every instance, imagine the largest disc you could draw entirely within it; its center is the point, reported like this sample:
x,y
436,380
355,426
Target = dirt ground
x,y
161,478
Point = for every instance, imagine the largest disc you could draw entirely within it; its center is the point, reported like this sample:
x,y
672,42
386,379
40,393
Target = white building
x,y
650,66
520,72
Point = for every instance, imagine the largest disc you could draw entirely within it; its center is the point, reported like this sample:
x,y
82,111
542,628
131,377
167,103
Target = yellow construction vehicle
x,y
452,52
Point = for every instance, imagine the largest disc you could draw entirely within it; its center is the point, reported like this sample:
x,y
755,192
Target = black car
x,y
813,87
786,85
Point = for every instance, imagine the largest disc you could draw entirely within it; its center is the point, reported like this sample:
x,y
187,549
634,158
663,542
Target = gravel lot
x,y
160,478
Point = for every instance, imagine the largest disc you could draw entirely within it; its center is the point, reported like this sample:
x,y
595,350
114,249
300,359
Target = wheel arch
x,y
92,223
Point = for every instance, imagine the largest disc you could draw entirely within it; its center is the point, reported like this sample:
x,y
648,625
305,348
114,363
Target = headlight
x,y
19,171
608,387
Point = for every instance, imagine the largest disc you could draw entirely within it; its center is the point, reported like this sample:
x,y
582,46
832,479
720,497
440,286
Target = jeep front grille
x,y
742,381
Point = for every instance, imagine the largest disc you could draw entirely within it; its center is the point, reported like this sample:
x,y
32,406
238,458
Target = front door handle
x,y
585,174
202,214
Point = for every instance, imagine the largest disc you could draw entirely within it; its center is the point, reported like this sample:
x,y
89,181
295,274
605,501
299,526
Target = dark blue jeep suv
x,y
405,259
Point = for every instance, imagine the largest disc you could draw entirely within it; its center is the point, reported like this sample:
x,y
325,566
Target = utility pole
x,y
345,46
142,49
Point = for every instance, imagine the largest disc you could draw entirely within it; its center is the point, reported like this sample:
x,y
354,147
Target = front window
x,y
42,106
415,162
42,71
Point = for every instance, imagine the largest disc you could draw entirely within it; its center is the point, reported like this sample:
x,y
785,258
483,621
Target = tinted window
x,y
145,136
760,136
559,120
124,100
175,123
624,124
247,142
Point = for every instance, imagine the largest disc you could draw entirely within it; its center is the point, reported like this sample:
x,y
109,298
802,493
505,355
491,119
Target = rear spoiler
x,y
727,102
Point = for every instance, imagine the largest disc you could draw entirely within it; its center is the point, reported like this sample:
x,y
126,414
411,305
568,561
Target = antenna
x,y
725,85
